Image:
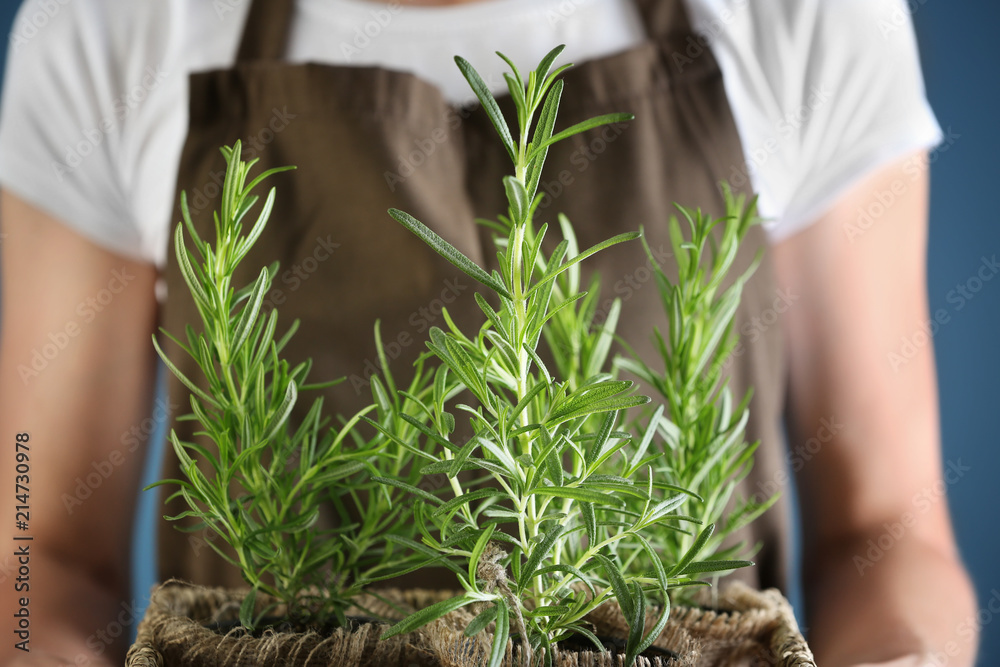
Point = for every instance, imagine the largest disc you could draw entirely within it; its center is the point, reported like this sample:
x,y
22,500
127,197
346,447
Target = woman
x,y
818,107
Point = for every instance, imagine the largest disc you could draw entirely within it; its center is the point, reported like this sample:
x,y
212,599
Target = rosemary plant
x,y
562,499
702,443
538,548
265,479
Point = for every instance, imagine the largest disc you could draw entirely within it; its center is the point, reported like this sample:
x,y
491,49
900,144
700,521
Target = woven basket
x,y
745,627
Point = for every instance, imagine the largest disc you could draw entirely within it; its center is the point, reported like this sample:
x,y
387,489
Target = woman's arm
x,y
880,480
76,373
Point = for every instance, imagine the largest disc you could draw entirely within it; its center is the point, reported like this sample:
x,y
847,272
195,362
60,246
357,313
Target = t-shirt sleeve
x,y
823,94
64,109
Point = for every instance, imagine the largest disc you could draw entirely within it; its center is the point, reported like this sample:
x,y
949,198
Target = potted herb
x,y
561,517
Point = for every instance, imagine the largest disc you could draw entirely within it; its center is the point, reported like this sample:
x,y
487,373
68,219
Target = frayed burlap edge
x,y
172,634
744,627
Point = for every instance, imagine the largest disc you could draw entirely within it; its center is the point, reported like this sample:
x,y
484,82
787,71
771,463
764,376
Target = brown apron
x,y
366,138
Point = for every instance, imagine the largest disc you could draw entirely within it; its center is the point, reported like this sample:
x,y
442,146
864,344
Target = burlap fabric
x,y
744,627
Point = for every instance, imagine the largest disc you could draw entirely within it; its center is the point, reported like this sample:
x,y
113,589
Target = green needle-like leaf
x,y
489,103
448,251
693,552
409,488
636,623
538,552
710,566
614,240
477,551
618,585
583,495
250,312
479,623
542,71
247,608
500,635
425,616
598,121
517,197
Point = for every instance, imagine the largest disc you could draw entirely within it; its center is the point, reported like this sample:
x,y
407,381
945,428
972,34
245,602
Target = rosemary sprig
x,y
261,481
701,446
539,548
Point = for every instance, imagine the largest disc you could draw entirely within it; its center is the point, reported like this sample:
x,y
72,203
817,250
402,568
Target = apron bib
x,y
355,135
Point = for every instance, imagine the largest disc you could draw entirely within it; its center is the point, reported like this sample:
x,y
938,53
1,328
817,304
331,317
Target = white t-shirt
x,y
94,107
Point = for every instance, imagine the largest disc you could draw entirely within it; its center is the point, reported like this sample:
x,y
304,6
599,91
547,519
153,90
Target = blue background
x,y
960,53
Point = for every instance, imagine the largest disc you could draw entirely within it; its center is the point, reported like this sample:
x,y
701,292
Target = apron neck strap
x,y
664,17
265,34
